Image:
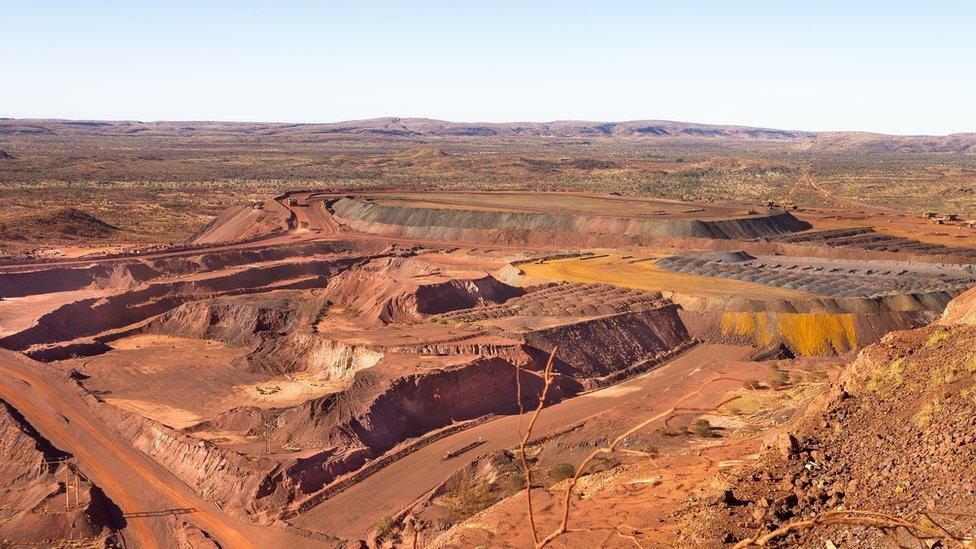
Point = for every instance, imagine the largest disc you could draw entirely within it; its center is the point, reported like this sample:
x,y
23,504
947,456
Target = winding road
x,y
133,481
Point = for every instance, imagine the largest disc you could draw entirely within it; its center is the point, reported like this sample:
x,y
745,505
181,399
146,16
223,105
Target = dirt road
x,y
128,477
352,513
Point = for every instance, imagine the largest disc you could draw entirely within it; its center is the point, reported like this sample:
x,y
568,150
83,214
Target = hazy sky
x,y
886,66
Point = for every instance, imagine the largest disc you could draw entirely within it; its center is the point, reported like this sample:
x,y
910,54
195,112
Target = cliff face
x,y
606,345
232,320
378,411
218,475
803,333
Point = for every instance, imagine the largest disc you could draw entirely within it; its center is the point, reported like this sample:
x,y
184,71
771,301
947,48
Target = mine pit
x,y
296,357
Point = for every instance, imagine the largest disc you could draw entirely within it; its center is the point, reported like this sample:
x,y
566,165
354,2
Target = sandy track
x,y
132,480
353,512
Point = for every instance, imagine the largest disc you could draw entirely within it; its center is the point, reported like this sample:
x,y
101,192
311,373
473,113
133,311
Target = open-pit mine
x,y
331,366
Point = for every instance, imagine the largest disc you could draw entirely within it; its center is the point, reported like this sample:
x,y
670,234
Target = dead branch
x,y
527,471
858,518
610,448
884,522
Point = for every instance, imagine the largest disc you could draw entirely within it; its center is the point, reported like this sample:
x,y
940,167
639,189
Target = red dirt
x,y
311,361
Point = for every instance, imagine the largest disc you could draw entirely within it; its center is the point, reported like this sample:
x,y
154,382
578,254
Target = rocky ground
x,y
895,435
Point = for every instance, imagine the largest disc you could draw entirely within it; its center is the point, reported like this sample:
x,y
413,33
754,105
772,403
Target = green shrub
x,y
470,497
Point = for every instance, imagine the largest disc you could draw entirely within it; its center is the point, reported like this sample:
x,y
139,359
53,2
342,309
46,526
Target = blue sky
x,y
894,67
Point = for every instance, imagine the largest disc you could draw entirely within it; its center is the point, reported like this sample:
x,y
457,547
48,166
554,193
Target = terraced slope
x,y
932,284
485,225
863,238
860,301
600,331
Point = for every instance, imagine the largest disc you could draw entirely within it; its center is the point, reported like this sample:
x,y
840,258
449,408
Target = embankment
x,y
245,221
32,497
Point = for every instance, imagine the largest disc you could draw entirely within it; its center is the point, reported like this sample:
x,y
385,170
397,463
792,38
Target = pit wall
x,y
362,426
89,317
459,224
387,299
276,331
804,334
224,477
603,346
311,354
129,273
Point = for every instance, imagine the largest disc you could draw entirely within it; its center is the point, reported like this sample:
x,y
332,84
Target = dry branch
x,y
612,447
527,471
886,523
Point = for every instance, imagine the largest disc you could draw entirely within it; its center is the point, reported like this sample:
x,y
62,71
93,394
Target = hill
x,y
60,224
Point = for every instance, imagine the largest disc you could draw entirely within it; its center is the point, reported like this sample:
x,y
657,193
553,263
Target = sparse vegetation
x,y
668,431
159,193
937,337
471,496
561,471
777,379
384,528
703,428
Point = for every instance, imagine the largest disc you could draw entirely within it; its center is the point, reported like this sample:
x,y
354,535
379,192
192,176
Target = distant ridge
x,y
397,127
424,127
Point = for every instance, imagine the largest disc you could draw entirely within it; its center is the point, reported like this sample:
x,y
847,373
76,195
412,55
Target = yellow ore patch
x,y
809,334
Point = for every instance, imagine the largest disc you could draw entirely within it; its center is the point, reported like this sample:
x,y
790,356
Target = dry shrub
x,y
777,379
561,471
703,428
